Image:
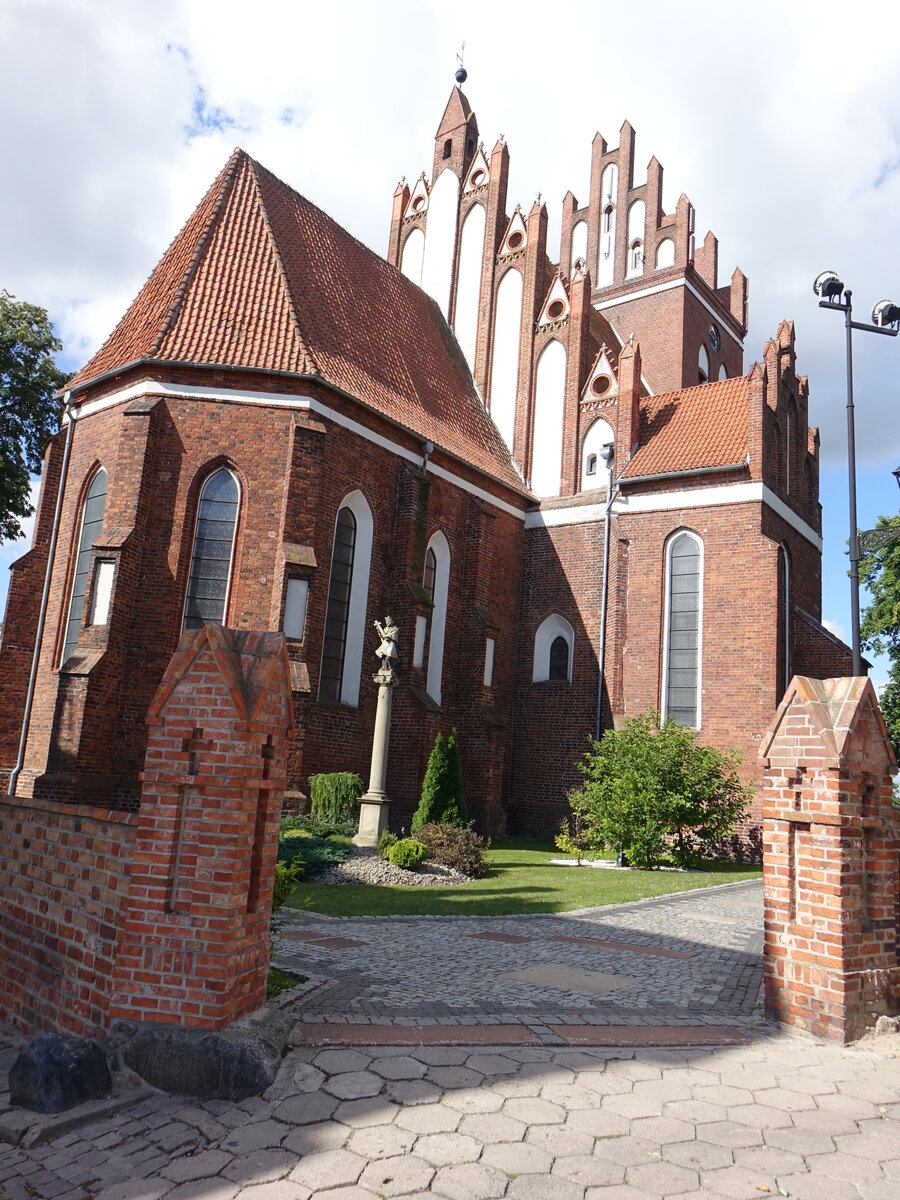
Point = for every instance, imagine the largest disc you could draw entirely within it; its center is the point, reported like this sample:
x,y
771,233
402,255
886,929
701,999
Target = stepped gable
x,y
262,279
694,428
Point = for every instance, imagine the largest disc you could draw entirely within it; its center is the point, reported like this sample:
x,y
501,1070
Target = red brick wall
x,y
63,882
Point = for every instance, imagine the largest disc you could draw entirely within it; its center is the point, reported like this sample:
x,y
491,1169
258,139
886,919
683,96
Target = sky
x,y
781,122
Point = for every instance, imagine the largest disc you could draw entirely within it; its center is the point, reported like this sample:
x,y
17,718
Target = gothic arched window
x,y
348,593
559,659
682,634
437,583
554,642
209,581
783,635
91,521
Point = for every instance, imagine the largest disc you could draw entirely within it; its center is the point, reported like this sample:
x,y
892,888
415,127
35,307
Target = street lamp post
x,y
886,319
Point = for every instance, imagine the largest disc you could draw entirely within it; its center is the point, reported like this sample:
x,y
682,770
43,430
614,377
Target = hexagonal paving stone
x,y
428,1118
444,1149
816,1187
783,1099
629,1151
588,1169
492,1127
597,1122
360,1113
661,1178
492,1064
846,1166
412,1091
605,1083
760,1116
698,1111
338,1060
662,1130
517,1158
570,1096
255,1136
531,1187
399,1066
354,1085
727,1097
800,1141
330,1169
205,1189
697,1154
873,1143
282,1189
739,1183
768,1160
261,1166
469,1181
381,1141
440,1056
560,1140
454,1077
474,1100
397,1176
307,1109
313,1139
534,1111
809,1084
307,1078
662,1090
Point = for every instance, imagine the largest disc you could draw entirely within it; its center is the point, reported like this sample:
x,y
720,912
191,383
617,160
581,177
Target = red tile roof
x,y
696,427
261,278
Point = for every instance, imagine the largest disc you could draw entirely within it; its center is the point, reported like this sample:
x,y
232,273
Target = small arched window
x,y
348,595
683,629
448,148
665,254
91,521
430,572
209,581
591,465
554,642
594,470
703,364
559,659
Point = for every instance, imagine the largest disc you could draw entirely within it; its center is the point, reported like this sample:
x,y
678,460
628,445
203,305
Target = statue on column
x,y
373,806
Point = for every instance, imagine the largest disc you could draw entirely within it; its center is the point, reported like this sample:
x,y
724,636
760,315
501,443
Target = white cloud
x,y
835,627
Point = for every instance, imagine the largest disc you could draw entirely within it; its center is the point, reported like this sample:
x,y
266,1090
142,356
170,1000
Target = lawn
x,y
521,880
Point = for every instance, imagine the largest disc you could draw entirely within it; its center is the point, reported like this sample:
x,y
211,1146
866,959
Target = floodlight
x,y
885,313
828,287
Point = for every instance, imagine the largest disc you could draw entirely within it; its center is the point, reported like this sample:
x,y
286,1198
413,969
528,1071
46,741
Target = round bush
x,y
407,853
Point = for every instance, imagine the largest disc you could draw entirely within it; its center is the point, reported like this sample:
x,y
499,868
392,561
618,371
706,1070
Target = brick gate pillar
x,y
831,838
193,944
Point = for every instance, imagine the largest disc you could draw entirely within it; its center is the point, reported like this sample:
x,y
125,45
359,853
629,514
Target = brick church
x,y
556,476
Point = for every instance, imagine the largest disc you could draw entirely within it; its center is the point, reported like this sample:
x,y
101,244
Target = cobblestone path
x,y
530,1118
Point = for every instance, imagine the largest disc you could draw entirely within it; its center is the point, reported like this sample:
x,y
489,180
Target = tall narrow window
x,y
91,521
209,581
430,573
437,568
783,647
338,612
348,598
683,630
559,659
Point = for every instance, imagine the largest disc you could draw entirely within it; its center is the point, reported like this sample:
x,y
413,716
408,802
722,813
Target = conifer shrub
x,y
654,792
442,790
457,847
335,797
287,876
385,842
408,853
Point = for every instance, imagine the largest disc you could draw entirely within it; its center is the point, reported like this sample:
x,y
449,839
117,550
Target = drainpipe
x,y
607,455
39,636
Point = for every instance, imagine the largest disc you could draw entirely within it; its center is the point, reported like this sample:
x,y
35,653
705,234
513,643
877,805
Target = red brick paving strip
x,y
513,938
650,1035
337,1034
329,943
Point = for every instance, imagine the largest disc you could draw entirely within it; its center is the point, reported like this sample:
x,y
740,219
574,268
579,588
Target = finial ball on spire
x,y
461,73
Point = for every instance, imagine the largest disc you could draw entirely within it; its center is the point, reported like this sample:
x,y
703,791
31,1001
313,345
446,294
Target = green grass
x,y
279,981
520,880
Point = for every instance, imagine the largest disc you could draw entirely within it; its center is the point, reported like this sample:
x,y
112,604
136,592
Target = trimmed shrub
x,y
407,853
442,791
334,797
452,846
385,842
651,791
320,827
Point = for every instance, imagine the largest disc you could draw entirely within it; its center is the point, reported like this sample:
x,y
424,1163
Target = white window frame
x,y
546,634
237,521
663,707
101,593
441,548
296,610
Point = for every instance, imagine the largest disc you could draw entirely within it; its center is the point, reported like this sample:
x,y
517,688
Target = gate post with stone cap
x,y
831,837
193,943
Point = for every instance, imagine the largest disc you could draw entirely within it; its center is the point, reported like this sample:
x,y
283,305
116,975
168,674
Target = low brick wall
x,y
63,879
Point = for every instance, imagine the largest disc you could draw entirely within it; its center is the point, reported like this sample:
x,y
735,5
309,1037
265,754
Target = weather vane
x,y
461,73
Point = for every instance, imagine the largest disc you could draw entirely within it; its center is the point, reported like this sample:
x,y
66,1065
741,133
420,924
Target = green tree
x,y
880,630
29,414
442,796
651,791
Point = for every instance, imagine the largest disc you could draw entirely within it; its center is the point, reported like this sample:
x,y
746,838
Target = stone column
x,y
373,806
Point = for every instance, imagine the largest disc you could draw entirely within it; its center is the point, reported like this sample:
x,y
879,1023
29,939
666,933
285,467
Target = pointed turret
x,y
456,140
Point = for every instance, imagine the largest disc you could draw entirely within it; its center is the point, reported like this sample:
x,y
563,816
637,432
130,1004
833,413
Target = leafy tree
x,y
29,414
880,630
442,794
651,790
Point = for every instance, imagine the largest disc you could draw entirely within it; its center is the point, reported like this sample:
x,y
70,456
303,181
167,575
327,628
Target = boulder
x,y
232,1064
54,1073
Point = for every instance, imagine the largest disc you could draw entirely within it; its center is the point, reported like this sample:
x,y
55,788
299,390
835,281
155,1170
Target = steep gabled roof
x,y
694,428
260,278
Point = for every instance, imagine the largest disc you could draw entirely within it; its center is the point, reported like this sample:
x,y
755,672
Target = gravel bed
x,y
365,865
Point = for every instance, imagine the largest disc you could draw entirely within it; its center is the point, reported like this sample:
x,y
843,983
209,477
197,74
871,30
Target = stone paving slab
x,y
331,1033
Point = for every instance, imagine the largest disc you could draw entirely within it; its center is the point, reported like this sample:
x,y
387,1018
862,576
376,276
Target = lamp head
x,y
828,287
886,313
